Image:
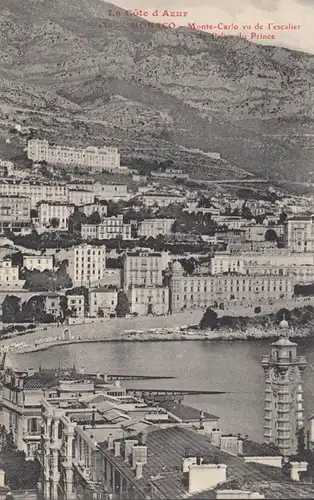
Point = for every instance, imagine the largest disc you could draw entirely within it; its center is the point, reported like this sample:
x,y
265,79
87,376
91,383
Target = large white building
x,y
86,264
299,233
145,300
105,158
102,302
54,210
14,212
9,275
34,190
38,262
142,268
151,228
80,196
109,228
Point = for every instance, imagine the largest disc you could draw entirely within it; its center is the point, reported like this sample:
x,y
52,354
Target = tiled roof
x,y
40,382
167,448
185,413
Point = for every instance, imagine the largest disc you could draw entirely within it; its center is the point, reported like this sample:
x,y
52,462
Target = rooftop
x,y
168,447
185,413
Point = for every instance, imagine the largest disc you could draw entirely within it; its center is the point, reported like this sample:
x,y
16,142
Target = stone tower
x,y
283,393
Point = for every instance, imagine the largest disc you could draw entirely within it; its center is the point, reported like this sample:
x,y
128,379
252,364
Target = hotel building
x,y
109,228
39,262
15,213
54,210
97,159
151,228
86,264
104,300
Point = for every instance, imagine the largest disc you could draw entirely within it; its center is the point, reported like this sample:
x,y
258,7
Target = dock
x,y
148,393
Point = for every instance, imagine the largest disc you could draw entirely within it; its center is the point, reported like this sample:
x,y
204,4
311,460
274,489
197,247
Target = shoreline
x,y
213,335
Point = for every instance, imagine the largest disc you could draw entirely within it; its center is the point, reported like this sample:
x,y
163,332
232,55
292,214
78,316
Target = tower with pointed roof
x,y
283,393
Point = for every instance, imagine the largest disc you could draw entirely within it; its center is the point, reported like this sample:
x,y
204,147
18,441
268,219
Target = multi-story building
x,y
86,264
15,212
9,275
284,417
34,190
226,262
258,232
199,291
21,408
90,208
145,300
109,228
52,304
80,196
151,228
54,210
299,233
105,158
39,262
162,200
76,304
102,302
112,192
143,268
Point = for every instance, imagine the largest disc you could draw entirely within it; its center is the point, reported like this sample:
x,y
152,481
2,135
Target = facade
x,y
226,262
154,227
89,208
15,213
146,300
299,234
52,304
110,228
55,210
142,268
283,394
162,200
76,304
196,291
97,159
80,196
86,264
104,191
39,262
102,302
9,275
34,190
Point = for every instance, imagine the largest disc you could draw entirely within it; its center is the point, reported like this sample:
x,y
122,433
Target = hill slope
x,y
150,90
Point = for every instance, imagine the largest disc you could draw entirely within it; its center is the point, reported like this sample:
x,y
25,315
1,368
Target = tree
x,y
11,309
16,258
271,235
209,319
34,309
94,218
100,313
123,306
283,217
65,311
54,222
76,220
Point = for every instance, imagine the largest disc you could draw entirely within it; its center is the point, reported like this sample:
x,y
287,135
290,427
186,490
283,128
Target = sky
x,y
299,13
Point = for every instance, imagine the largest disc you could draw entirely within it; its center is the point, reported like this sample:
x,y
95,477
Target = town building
x,y
36,191
299,233
151,228
15,213
142,268
102,302
145,300
162,200
52,305
86,264
90,208
76,304
226,262
109,228
80,196
284,419
9,275
200,291
97,159
38,262
112,192
54,214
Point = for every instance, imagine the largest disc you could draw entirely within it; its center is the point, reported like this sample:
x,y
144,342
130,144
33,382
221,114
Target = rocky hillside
x,y
152,91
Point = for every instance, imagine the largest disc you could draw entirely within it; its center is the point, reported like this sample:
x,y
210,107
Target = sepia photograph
x,y
156,249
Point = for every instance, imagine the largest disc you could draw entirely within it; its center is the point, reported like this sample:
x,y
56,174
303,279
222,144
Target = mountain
x,y
156,92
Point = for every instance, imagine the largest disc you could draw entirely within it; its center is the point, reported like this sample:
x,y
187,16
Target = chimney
x,y
206,476
139,470
128,447
215,437
105,378
93,417
110,444
117,383
2,477
240,447
296,468
139,454
144,436
117,448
